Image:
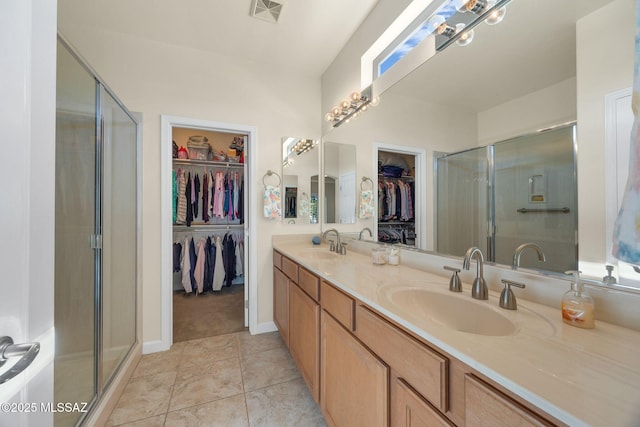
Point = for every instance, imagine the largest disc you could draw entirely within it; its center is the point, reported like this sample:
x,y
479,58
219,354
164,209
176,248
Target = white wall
x,y
538,110
600,53
155,79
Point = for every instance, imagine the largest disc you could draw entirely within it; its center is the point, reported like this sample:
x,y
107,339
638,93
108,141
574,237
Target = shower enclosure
x,y
522,190
96,226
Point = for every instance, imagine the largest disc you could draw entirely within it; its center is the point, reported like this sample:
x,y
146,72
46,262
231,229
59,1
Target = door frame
x,y
420,195
166,233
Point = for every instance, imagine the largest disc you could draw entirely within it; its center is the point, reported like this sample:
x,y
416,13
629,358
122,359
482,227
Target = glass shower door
x,y
75,222
463,188
536,198
118,285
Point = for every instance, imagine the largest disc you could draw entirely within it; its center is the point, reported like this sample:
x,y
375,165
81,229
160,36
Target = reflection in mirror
x,y
290,196
546,63
339,183
300,164
511,193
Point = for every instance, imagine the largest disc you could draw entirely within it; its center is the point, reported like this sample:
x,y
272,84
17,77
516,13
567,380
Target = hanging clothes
x,y
181,214
205,197
189,196
177,255
218,277
186,267
199,267
174,195
193,257
209,259
195,192
229,258
239,258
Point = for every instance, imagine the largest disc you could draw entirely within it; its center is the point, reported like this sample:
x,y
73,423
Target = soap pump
x,y
609,279
577,306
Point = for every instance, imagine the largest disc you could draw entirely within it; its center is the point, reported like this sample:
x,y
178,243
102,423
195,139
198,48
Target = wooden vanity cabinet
x,y
410,409
304,329
487,407
367,370
281,285
354,382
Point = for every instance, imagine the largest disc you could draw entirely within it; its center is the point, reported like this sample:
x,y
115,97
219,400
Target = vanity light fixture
x,y
351,108
304,145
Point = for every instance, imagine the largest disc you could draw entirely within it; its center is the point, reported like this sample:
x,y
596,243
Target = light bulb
x,y
364,108
336,111
460,4
434,23
328,117
447,30
375,101
465,38
496,16
476,6
345,104
355,96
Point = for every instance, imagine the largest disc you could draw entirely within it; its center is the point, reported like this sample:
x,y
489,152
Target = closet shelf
x,y
198,227
396,223
410,178
187,162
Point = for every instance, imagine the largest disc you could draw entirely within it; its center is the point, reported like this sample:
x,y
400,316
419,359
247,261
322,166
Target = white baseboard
x,y
264,328
153,347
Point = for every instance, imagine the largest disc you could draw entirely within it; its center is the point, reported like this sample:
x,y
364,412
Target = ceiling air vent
x,y
266,10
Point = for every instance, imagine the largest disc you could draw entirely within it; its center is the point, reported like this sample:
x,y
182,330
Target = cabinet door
x,y
486,406
408,409
354,383
281,304
304,337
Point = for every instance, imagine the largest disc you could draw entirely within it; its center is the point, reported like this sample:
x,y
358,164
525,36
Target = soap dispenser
x,y
577,306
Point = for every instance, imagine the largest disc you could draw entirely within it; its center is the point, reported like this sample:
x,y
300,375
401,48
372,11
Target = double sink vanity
x,y
386,345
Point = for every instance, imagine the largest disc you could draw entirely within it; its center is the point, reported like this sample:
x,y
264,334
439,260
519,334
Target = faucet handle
x,y
507,297
455,284
343,249
332,245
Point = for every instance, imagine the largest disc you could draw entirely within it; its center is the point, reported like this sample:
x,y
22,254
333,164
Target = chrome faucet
x,y
363,230
335,247
522,247
479,289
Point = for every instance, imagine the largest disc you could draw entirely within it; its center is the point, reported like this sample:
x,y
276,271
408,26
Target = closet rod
x,y
207,163
205,227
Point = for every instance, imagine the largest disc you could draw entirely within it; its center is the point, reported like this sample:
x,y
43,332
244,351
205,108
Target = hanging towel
x,y
271,201
367,207
626,236
303,208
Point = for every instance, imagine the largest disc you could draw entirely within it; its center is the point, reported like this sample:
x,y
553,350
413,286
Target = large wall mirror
x,y
300,168
339,170
548,63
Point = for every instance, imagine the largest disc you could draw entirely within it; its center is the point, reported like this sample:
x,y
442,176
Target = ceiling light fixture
x,y
352,108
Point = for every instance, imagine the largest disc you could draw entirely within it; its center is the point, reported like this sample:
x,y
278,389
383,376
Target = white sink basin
x,y
318,253
455,311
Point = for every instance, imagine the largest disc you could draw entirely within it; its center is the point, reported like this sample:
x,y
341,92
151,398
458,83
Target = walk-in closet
x,y
209,217
396,197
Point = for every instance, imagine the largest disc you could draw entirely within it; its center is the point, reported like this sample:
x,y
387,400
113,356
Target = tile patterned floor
x,y
229,380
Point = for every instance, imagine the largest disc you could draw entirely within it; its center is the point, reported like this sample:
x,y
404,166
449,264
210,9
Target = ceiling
x,y
531,49
307,38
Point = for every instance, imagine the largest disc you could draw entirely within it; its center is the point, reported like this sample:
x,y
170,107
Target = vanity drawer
x,y
486,406
310,283
420,366
338,304
290,268
277,260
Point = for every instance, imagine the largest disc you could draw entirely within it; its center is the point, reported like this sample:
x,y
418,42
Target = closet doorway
x,y
401,216
206,277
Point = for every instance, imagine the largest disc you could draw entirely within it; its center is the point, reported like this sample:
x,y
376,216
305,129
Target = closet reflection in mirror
x,y
339,183
300,164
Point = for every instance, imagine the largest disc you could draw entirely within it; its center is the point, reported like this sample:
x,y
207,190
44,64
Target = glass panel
x,y
119,234
534,183
74,372
339,202
462,205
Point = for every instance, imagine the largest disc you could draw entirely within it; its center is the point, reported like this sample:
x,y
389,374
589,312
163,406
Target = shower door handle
x,y
26,352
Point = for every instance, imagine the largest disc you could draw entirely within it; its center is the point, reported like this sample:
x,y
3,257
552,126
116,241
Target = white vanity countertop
x,y
580,376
